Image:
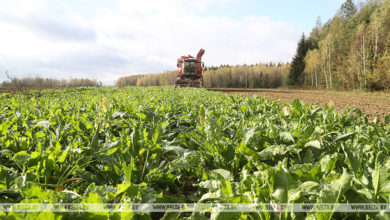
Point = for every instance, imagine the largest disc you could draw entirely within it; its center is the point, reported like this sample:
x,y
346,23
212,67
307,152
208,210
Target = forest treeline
x,y
40,82
268,75
351,50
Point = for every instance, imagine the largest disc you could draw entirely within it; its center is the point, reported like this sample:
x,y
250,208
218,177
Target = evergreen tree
x,y
296,76
348,8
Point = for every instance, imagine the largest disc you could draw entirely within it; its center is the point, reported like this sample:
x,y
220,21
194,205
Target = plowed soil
x,y
373,104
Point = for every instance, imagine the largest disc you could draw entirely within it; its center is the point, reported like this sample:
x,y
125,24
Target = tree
x,y
362,51
296,76
312,61
348,9
316,32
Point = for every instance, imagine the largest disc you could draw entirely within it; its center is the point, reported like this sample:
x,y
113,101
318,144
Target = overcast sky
x,y
105,39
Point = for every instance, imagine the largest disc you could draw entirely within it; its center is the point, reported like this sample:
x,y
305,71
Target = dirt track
x,y
374,104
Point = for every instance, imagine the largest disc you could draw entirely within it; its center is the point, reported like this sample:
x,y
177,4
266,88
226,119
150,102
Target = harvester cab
x,y
189,72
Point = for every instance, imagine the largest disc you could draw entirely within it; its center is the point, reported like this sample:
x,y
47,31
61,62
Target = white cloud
x,y
107,39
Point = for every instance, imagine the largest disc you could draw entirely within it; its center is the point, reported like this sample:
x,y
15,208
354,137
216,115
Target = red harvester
x,y
189,73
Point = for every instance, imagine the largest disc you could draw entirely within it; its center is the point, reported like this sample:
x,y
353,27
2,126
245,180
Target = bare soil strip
x,y
373,104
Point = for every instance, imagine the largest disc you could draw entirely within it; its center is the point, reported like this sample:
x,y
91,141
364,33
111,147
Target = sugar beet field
x,y
166,145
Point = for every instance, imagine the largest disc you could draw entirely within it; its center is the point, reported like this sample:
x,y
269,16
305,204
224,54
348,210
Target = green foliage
x,y
160,144
296,75
352,48
348,8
